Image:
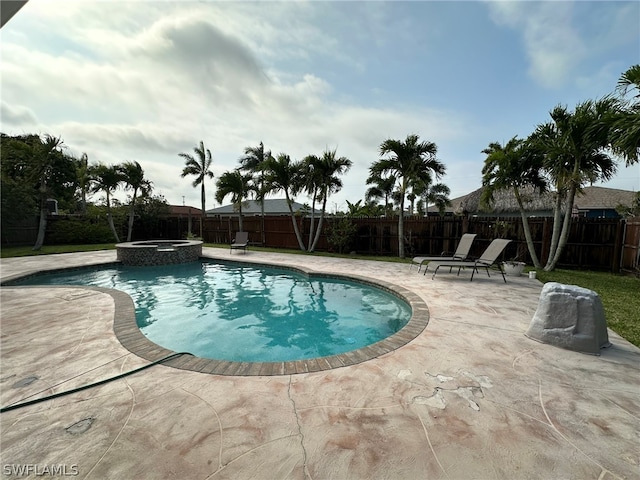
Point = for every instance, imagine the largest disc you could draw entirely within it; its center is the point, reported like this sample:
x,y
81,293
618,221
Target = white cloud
x,y
155,90
147,80
552,43
17,115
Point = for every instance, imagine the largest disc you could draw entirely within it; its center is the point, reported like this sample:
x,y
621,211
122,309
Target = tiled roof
x,y
591,198
275,206
600,197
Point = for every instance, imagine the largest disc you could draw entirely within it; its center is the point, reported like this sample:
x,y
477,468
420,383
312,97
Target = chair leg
x,y
475,270
434,273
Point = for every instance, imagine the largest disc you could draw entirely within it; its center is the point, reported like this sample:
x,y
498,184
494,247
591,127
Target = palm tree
x,y
514,166
418,189
200,167
133,177
312,181
382,189
238,186
106,179
624,134
281,173
573,145
328,170
41,170
438,195
409,161
630,79
255,161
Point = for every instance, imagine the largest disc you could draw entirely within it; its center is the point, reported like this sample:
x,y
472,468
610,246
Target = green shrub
x,y
341,233
73,231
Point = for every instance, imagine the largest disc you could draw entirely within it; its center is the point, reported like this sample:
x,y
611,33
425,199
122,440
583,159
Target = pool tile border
x,y
131,337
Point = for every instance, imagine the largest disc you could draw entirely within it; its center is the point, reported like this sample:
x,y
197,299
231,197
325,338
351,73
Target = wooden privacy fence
x,y
596,244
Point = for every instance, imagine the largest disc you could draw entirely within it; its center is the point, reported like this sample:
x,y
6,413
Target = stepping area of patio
x,y
470,398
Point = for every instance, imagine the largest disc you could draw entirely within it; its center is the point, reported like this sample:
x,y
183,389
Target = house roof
x,y
505,201
272,206
183,210
600,197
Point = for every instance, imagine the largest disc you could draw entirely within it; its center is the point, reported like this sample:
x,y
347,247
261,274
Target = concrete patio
x,y
470,398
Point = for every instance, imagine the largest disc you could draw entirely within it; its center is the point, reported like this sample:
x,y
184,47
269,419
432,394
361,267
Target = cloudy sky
x,y
145,80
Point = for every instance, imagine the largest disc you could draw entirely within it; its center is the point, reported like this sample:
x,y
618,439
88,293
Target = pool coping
x,y
131,337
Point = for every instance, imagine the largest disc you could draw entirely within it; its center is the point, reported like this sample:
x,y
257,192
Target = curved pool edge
x,y
132,338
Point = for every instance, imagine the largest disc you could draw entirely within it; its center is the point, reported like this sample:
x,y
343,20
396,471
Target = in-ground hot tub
x,y
159,252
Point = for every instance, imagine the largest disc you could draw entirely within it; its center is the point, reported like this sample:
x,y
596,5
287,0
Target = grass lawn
x,y
620,295
7,252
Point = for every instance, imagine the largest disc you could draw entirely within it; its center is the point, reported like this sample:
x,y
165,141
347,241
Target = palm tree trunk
x,y
42,227
527,230
131,216
42,224
555,233
240,217
295,223
262,239
312,226
319,229
262,234
83,201
564,235
401,228
202,202
110,219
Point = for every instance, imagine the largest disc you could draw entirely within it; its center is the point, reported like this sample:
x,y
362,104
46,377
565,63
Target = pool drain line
x,y
91,385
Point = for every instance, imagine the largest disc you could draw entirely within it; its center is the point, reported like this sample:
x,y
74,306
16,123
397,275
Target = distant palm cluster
x,y
37,170
573,149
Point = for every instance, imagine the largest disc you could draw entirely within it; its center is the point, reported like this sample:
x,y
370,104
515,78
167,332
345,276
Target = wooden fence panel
x,y
591,245
597,244
630,255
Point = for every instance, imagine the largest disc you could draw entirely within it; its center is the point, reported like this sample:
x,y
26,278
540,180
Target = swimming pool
x,y
248,313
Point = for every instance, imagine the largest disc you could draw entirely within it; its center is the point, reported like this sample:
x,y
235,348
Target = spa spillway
x,y
159,252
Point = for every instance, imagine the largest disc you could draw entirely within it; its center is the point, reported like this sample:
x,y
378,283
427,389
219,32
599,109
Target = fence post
x,y
617,248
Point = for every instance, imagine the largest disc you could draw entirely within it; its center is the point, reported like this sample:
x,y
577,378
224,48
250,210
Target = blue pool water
x,y
232,312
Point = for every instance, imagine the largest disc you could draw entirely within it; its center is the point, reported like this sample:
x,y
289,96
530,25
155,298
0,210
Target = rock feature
x,y
570,317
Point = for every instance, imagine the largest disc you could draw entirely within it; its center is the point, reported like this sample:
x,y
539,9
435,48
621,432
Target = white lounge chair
x,y
489,259
461,253
241,241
